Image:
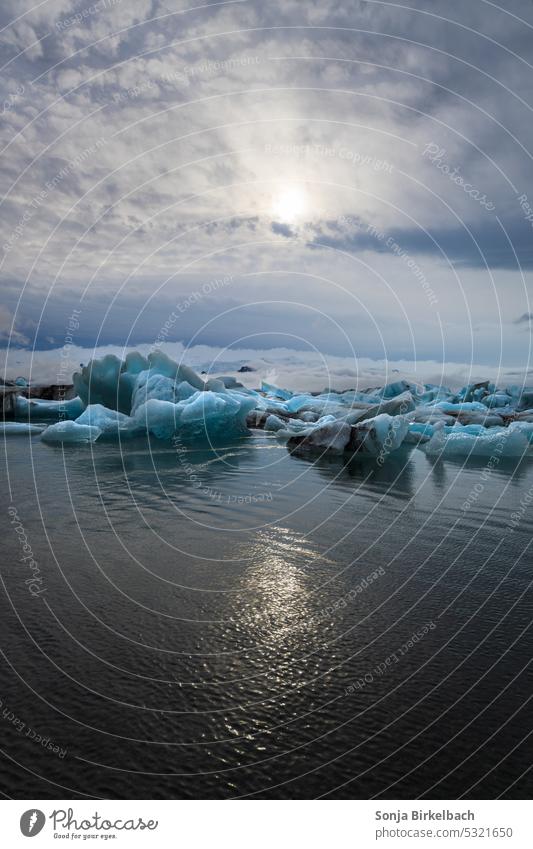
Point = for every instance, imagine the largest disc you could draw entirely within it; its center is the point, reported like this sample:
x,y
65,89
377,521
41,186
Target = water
x,y
246,623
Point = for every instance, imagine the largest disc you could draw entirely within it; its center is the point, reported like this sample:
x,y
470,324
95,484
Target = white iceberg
x,y
71,432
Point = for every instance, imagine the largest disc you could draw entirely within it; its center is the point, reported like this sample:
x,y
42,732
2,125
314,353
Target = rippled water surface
x,y
243,622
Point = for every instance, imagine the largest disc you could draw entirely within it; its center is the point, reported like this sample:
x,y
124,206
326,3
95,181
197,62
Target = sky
x,y
333,177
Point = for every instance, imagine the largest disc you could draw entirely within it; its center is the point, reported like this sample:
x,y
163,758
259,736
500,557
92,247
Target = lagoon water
x,y
240,622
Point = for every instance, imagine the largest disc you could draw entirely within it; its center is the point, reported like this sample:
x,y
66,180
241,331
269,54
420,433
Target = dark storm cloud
x,y
487,246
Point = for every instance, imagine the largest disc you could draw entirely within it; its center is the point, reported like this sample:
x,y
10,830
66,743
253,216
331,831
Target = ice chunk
x,y
149,384
204,413
526,428
401,405
332,437
17,428
474,391
38,409
418,432
391,390
501,442
375,437
269,389
379,436
102,382
71,432
110,422
112,382
274,423
455,409
497,399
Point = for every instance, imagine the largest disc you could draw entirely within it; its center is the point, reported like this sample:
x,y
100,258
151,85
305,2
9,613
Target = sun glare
x,y
290,204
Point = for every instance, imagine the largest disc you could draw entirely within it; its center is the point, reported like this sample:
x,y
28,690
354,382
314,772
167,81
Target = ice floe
x,y
20,428
71,432
156,396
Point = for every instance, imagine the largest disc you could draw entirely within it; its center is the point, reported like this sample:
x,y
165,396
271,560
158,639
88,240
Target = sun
x,y
290,204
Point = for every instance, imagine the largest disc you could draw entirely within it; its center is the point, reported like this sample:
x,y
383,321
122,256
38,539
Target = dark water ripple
x,y
208,624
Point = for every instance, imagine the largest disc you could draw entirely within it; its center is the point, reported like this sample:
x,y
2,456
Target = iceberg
x,y
111,381
109,422
375,437
332,437
36,408
203,414
274,423
154,395
502,442
269,389
18,428
379,436
71,432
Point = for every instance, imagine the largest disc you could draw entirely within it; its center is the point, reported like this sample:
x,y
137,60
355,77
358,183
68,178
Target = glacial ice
x,y
500,443
333,437
39,409
112,382
18,428
109,422
154,395
372,438
71,432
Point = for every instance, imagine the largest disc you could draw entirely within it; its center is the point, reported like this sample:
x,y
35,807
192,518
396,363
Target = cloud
x,y
281,229
146,143
8,329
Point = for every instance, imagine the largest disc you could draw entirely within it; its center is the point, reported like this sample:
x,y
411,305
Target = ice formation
x,y
71,432
19,428
118,399
495,442
36,408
